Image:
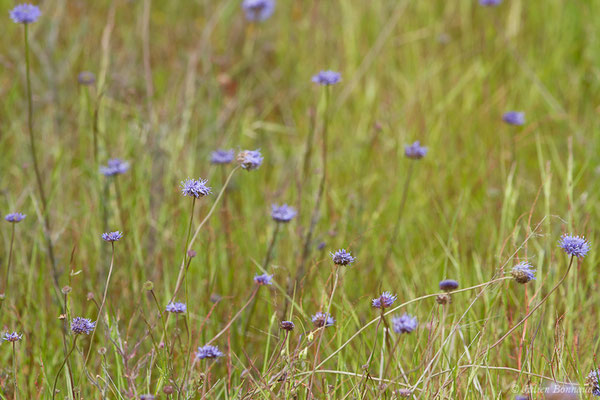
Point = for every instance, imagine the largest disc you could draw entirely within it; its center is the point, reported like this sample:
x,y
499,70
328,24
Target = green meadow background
x,y
176,80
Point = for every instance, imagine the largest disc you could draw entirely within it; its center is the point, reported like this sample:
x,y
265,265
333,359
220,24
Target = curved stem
x,y
394,236
62,365
10,253
14,365
235,316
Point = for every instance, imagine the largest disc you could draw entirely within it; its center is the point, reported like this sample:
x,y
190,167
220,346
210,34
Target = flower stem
x,y
394,236
14,365
10,252
62,365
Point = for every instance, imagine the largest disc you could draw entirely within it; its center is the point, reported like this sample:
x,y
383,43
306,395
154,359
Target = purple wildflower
x,y
287,325
404,324
264,279
282,213
490,3
14,218
114,167
574,245
385,300
176,308
81,325
258,10
25,13
222,156
327,78
415,151
342,257
514,118
250,159
523,272
86,78
146,397
448,284
11,337
195,188
208,351
593,380
322,320
112,236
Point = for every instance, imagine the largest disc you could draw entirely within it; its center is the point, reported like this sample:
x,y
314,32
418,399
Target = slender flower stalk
x,y
399,214
10,253
14,366
62,366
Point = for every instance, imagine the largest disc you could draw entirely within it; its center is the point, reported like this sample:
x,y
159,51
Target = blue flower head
x,y
264,279
287,326
574,245
11,337
327,78
384,301
86,78
514,118
14,218
25,13
404,324
112,236
258,10
250,159
490,3
195,188
282,213
210,352
415,151
81,325
322,320
176,308
342,257
593,380
146,397
523,272
114,167
222,156
448,284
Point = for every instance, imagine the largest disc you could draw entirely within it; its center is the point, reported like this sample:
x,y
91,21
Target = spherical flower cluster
x,y
327,78
342,257
210,352
81,325
15,218
264,279
523,272
25,13
146,397
258,10
282,213
514,118
112,236
86,78
114,167
287,326
404,324
385,300
195,188
222,156
176,308
415,151
593,380
11,337
490,3
250,159
448,284
322,320
574,245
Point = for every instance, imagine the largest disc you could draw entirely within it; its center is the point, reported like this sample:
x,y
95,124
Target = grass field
x,y
176,80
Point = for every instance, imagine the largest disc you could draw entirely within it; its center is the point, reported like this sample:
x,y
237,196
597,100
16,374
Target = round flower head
x,y
384,301
112,236
521,397
490,3
322,320
86,78
326,78
448,284
81,325
250,159
523,272
222,156
258,10
176,308
264,279
574,245
25,13
11,337
15,218
282,213
342,257
210,352
146,397
404,324
415,151
287,326
514,118
114,167
593,380
195,188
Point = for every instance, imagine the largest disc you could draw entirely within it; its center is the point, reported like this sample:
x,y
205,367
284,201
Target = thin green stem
x,y
14,365
394,236
10,253
62,365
